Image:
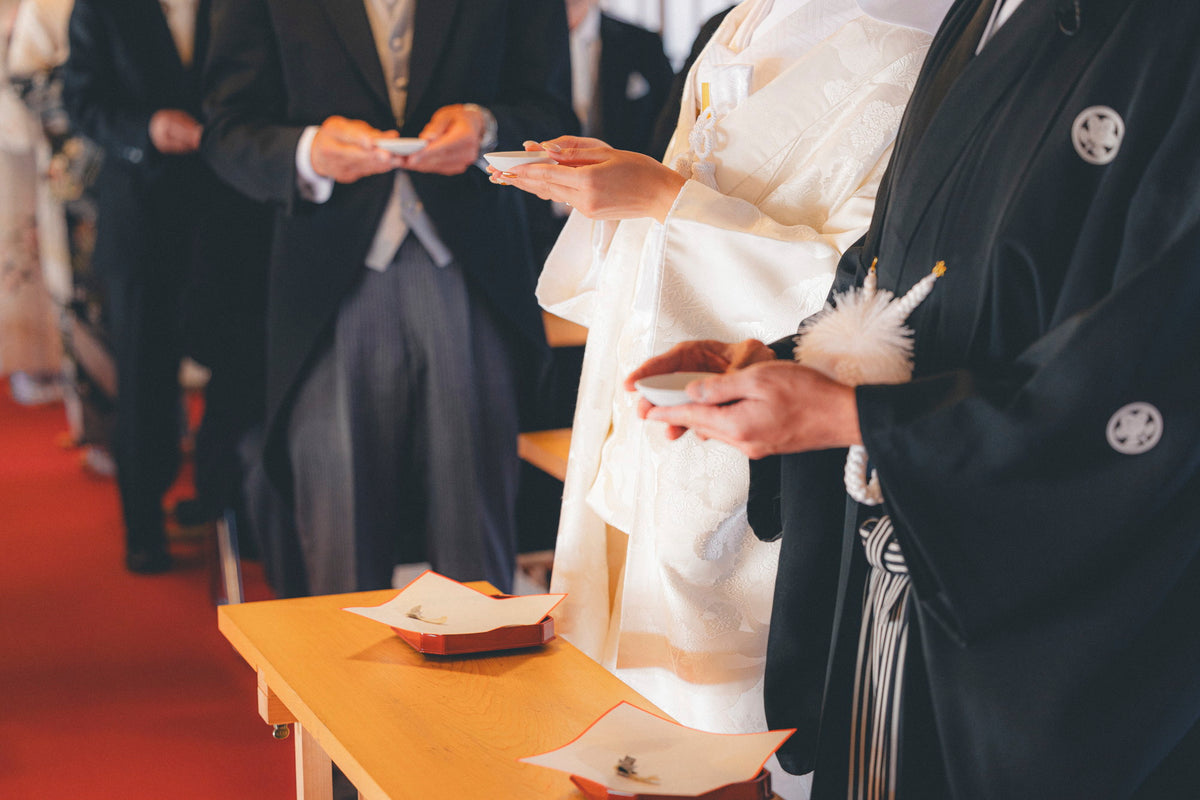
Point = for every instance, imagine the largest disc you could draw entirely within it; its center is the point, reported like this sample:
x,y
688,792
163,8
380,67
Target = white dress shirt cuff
x,y
312,187
490,135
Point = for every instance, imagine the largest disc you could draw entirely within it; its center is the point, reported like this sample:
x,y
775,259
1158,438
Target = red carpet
x,y
113,685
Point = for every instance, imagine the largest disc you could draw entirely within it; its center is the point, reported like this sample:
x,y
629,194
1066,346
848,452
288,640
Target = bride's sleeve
x,y
569,280
747,274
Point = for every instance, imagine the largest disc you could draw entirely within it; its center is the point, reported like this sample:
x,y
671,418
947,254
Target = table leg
x,y
272,709
314,769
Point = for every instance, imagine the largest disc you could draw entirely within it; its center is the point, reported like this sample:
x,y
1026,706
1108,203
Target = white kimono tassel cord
x,y
702,139
863,339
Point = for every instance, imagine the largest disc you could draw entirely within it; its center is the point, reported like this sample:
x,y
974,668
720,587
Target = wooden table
x,y
562,333
547,450
403,725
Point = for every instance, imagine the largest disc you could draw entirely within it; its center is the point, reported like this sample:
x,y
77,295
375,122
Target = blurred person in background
x,y
620,80
401,314
30,345
132,85
68,163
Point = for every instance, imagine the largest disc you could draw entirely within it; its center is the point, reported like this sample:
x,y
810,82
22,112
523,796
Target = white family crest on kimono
x,y
801,125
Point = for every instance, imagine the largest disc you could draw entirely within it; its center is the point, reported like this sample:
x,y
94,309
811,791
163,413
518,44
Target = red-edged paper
x,y
630,753
437,615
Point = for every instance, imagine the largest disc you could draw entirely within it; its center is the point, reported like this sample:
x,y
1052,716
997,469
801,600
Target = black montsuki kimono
x,y
1043,467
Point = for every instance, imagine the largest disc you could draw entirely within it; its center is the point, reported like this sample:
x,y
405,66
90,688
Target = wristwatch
x,y
490,137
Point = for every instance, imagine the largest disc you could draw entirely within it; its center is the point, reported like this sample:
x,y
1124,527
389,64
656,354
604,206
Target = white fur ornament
x,y
863,339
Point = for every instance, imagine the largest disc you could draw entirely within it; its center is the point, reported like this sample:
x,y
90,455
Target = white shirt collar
x,y
585,68
1000,14
181,20
588,29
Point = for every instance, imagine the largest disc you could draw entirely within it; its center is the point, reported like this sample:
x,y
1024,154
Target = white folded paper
x,y
631,750
434,603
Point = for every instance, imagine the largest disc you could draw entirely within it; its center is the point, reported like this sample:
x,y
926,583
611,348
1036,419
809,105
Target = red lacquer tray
x,y
757,788
510,637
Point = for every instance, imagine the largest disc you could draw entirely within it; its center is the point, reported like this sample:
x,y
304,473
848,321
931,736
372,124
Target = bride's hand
x,y
598,180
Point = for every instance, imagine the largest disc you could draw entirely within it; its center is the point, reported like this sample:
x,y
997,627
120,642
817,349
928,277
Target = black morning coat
x,y
1055,642
276,66
628,52
123,68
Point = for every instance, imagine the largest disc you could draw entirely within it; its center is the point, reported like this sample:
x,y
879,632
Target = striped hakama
x,y
874,730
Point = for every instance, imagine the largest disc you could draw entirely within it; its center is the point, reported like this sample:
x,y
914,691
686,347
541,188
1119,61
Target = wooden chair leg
x,y
229,563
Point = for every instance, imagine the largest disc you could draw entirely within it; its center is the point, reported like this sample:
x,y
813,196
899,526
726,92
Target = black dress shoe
x,y
147,562
192,512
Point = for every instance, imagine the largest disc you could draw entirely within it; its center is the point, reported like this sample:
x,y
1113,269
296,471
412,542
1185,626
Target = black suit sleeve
x,y
91,90
244,139
661,76
535,92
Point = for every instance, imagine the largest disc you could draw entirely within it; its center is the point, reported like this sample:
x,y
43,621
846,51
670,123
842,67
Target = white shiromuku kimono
x,y
804,116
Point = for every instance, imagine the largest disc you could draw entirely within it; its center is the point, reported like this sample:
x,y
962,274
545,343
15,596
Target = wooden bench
x,y
546,450
561,333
